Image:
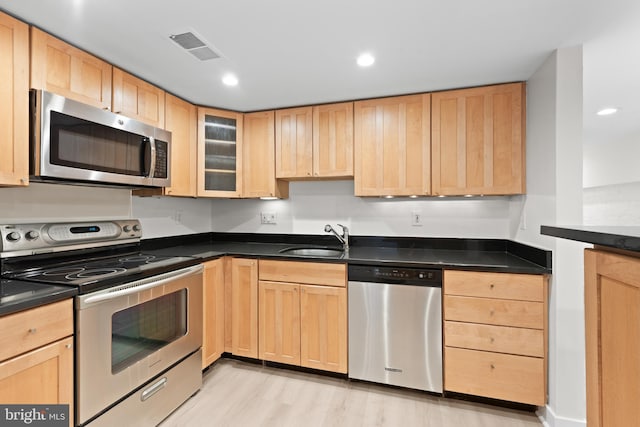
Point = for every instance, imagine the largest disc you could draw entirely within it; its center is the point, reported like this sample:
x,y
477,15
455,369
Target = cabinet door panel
x,y
612,328
138,99
495,375
478,140
42,376
333,140
294,143
14,102
68,71
219,153
279,322
392,146
259,178
181,120
526,287
498,339
323,328
244,294
524,314
213,312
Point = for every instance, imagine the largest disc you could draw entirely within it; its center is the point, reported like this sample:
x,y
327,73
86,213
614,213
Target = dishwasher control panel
x,y
397,275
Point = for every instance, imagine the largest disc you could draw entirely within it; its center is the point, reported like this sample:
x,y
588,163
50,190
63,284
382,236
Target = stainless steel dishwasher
x,y
395,326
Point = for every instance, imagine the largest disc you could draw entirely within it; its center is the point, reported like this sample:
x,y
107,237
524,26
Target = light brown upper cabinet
x,y
219,153
294,143
333,140
137,99
68,71
258,147
14,102
478,139
181,119
392,146
315,142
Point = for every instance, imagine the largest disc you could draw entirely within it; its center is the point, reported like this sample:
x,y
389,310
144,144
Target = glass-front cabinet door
x,y
219,153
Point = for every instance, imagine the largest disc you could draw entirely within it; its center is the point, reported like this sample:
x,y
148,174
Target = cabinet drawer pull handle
x,y
492,340
67,345
33,330
491,312
492,366
492,286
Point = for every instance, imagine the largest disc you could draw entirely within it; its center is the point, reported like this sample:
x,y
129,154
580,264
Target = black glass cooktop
x,y
98,271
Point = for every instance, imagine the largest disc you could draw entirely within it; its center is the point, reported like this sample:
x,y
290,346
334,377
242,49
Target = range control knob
x,y
421,275
136,227
126,228
32,235
14,236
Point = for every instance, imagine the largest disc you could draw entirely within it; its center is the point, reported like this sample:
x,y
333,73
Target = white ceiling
x,y
292,52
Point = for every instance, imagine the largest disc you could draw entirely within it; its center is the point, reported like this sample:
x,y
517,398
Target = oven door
x,y
129,333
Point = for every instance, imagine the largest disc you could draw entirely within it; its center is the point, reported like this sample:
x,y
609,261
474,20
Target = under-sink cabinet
x,y
495,335
36,356
303,314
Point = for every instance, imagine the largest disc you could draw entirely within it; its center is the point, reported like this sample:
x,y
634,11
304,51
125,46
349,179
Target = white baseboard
x,y
549,419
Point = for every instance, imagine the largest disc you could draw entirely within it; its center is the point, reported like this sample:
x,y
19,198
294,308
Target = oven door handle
x,y
141,285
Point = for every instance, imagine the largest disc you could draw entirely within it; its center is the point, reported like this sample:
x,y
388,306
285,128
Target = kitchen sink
x,y
311,251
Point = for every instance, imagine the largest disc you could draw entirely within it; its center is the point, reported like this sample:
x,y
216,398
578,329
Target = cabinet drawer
x,y
495,375
26,330
523,314
499,339
526,287
313,273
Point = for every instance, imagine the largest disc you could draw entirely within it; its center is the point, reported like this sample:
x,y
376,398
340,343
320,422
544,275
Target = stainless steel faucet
x,y
344,237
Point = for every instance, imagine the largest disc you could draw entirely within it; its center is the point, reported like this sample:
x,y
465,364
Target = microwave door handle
x,y
152,166
148,157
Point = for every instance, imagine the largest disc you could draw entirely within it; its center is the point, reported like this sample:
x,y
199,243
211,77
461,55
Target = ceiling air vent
x,y
194,46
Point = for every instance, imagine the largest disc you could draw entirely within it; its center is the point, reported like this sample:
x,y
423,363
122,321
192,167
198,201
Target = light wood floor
x,y
236,393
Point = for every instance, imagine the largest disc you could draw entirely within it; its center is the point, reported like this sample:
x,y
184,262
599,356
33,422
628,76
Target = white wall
x,y
554,196
311,205
57,202
172,216
608,162
617,204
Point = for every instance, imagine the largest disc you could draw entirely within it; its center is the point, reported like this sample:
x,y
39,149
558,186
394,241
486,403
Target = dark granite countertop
x,y
461,254
619,237
16,295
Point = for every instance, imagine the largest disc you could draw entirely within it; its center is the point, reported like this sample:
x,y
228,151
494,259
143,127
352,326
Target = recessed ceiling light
x,y
366,60
230,80
607,111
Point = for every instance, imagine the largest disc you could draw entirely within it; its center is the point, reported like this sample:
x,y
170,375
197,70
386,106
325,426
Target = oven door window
x,y
82,144
138,331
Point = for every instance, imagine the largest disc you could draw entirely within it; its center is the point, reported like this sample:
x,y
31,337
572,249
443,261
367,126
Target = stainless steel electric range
x,y
138,316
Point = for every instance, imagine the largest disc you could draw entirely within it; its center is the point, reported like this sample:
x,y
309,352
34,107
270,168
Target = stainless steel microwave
x,y
76,143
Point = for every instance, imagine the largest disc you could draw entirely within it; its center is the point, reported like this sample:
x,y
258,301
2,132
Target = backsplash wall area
x,y
311,205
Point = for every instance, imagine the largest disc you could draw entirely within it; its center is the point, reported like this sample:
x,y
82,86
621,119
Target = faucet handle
x,y
344,228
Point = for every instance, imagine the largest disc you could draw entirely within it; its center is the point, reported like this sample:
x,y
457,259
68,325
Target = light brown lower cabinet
x,y
495,335
300,323
612,326
213,311
244,307
36,349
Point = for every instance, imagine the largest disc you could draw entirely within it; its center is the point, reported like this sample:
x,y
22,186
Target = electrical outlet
x,y
416,218
267,217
